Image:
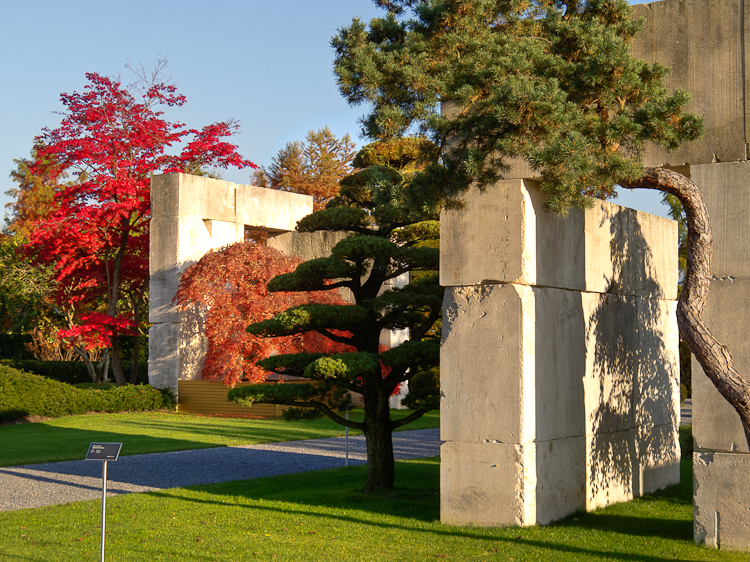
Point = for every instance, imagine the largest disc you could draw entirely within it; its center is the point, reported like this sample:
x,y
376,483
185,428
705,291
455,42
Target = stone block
x,y
192,346
271,208
165,189
490,240
487,484
610,351
306,245
504,235
559,356
726,192
716,425
188,195
164,254
162,289
658,458
656,395
487,364
560,478
609,463
721,500
163,357
702,41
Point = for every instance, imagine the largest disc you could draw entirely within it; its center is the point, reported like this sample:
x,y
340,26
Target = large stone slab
x,y
716,425
487,365
504,235
590,379
703,42
487,484
726,192
721,508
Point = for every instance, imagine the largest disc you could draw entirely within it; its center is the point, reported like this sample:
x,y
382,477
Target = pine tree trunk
x,y
712,355
379,437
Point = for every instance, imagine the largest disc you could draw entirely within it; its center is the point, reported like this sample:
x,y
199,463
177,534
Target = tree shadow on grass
x,y
415,505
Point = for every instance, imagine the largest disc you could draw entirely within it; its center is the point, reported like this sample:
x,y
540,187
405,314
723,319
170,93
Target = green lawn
x,y
320,516
68,438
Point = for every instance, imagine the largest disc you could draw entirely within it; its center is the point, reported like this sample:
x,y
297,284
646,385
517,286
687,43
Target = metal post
x,y
104,502
347,439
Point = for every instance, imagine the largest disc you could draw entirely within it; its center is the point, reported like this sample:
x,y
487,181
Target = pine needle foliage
x,y
388,238
549,82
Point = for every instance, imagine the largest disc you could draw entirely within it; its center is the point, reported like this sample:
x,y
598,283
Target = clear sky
x,y
265,63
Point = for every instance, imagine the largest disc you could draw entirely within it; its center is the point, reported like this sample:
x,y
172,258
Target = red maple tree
x,y
112,138
229,285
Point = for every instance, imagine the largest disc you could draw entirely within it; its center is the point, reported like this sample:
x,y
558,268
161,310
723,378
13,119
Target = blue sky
x,y
266,64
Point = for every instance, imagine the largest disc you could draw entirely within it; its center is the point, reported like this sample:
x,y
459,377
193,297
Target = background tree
x,y
34,196
312,167
387,240
112,138
229,288
550,82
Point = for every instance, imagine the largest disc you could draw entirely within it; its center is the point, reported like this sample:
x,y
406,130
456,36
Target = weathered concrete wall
x,y
721,463
191,215
705,44
559,369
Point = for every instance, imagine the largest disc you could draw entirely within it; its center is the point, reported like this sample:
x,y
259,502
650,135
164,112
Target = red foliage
x,y
112,138
229,285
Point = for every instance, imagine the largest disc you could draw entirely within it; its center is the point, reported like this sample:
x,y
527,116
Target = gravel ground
x,y
38,485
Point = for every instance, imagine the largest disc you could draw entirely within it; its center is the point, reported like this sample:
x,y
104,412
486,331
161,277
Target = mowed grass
x,y
321,516
68,438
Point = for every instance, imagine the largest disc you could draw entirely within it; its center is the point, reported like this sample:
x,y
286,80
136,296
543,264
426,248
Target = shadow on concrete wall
x,y
605,379
629,382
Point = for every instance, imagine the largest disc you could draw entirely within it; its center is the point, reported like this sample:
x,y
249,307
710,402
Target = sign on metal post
x,y
103,452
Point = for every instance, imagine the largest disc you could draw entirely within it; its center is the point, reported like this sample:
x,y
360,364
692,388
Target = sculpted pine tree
x,y
550,82
388,239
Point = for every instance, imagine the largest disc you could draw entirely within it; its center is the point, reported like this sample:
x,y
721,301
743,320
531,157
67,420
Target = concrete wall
x,y
559,370
191,215
721,462
705,44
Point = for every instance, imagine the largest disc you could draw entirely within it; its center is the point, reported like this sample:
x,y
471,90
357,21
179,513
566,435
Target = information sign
x,y
103,451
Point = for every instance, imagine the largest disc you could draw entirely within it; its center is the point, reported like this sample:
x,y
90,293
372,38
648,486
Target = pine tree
x,y
388,240
553,83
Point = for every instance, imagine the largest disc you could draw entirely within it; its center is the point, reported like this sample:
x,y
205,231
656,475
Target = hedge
x,y
26,394
13,346
71,372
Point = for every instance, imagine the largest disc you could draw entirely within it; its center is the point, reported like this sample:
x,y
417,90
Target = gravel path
x,y
37,485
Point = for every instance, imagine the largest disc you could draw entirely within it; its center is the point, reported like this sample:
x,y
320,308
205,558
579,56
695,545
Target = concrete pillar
x,y
721,463
559,370
191,215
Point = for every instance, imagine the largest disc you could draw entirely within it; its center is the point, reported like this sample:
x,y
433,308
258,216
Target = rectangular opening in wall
x,y
256,236
260,235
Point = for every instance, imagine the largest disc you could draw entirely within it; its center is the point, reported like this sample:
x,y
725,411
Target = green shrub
x,y
25,394
301,414
13,346
71,372
424,389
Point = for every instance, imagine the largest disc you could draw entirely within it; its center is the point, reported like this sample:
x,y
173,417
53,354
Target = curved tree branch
x,y
712,355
